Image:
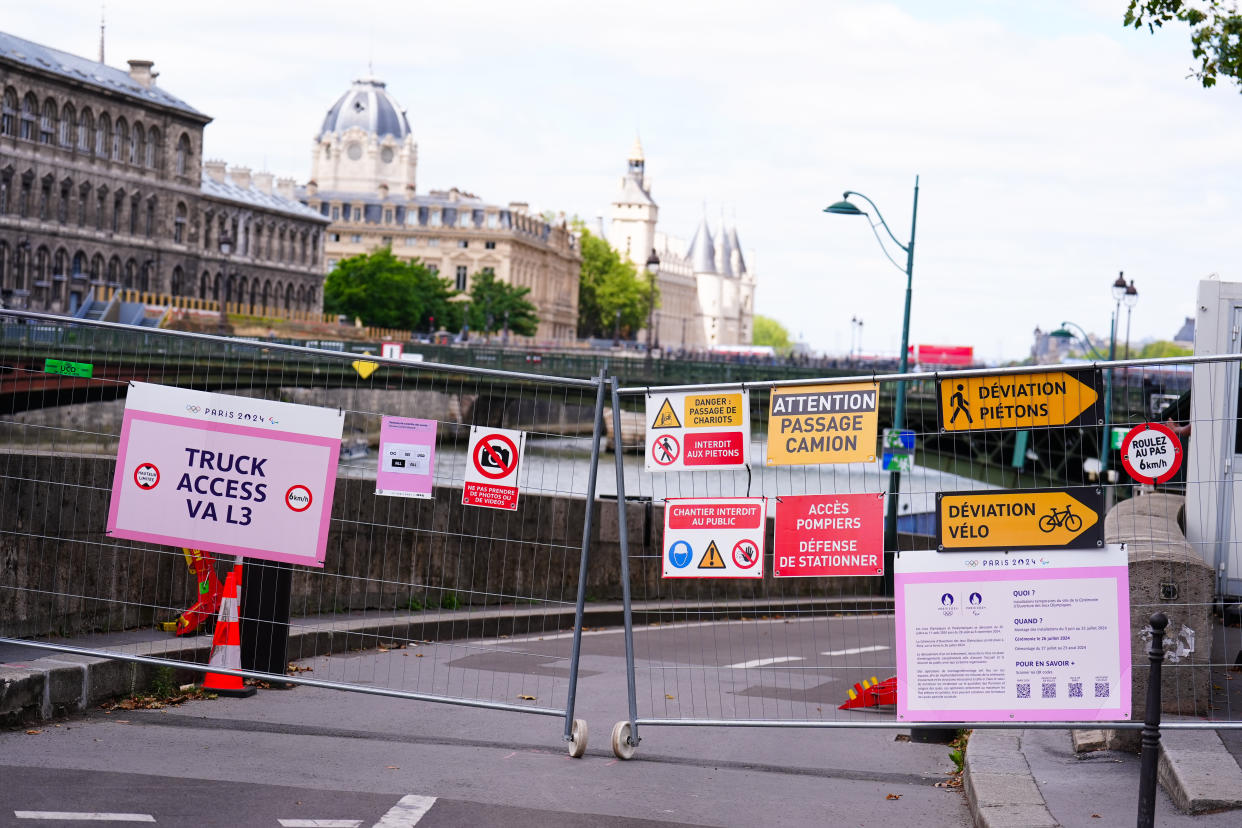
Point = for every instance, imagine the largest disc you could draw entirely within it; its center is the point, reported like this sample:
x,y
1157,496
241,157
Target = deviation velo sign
x,y
225,474
492,468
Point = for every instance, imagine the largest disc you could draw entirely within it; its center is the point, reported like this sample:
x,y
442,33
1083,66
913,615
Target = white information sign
x,y
715,537
700,430
1013,636
492,468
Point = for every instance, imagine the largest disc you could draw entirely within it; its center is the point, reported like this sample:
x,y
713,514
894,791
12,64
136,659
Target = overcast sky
x,y
1055,147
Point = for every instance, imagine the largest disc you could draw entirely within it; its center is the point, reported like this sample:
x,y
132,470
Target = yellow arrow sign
x,y
1021,519
1053,398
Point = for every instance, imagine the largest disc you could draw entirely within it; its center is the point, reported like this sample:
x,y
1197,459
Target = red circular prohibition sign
x,y
502,469
144,471
1137,474
745,553
665,450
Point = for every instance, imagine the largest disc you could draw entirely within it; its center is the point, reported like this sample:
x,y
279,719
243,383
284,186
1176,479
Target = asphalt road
x,y
312,756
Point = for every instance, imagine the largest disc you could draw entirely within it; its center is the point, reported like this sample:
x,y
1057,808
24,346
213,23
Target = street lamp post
x,y
1064,332
653,267
846,208
1131,299
226,248
616,328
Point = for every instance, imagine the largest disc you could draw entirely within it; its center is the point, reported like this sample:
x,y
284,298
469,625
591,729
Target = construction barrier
x,y
447,513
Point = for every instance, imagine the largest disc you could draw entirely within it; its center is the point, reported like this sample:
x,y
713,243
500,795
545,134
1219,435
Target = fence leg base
x,y
933,735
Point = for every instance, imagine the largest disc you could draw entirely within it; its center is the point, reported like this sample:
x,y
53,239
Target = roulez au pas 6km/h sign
x,y
1042,400
1020,519
1151,453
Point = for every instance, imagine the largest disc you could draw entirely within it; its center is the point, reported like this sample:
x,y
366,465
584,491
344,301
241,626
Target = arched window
x,y
310,297
103,135
48,122
215,288
68,125
267,292
62,206
301,298
138,146
79,264
118,208
179,223
84,195
114,271
240,296
135,210
178,278
86,130
8,112
254,294
60,264
315,248
258,240
145,276
120,137
97,268
150,224
30,110
153,145
202,285
289,296
131,274
183,154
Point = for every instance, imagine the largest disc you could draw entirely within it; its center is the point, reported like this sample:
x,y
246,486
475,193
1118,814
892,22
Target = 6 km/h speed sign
x,y
492,468
1151,453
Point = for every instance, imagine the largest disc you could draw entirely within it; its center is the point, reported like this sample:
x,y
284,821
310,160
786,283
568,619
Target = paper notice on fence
x,y
1025,636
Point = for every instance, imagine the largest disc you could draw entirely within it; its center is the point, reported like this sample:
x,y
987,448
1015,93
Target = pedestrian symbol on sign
x,y
666,450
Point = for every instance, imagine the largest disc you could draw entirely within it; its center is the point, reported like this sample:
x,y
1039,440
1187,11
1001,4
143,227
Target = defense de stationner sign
x,y
1052,398
1020,519
814,424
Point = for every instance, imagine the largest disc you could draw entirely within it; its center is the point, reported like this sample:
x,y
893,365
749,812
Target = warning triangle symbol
x,y
711,558
666,417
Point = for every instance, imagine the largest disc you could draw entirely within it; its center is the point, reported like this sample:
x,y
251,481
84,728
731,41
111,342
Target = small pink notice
x,y
407,455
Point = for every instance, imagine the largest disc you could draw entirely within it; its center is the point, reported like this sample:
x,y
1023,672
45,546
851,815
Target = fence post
x,y
1151,725
631,738
575,730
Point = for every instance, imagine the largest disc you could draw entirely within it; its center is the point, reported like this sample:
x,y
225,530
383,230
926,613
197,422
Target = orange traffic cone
x,y
226,643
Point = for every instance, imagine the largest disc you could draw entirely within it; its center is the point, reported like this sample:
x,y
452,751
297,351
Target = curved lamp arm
x,y
878,215
1082,337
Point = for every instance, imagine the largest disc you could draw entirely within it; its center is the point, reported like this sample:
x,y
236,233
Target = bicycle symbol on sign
x,y
1065,518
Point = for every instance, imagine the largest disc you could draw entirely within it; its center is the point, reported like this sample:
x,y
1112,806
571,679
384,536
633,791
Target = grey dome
x,y
368,105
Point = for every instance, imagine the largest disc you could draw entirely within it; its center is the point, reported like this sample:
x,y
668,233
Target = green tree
x,y
1163,348
1215,33
609,284
770,332
385,292
493,305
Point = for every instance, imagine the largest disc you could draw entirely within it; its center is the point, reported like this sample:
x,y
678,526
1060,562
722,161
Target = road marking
x,y
320,823
407,812
856,650
762,662
84,816
523,639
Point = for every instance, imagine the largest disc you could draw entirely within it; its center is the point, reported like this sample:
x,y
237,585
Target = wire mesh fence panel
x,y
1064,466
413,572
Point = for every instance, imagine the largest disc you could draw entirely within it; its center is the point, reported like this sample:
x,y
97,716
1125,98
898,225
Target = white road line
x,y
320,823
84,816
407,812
856,650
522,639
762,662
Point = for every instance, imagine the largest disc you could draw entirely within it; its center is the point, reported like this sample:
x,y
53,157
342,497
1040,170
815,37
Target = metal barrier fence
x,y
417,598
789,651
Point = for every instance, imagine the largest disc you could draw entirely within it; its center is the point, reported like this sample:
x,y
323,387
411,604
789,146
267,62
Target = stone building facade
x,y
101,184
364,164
707,292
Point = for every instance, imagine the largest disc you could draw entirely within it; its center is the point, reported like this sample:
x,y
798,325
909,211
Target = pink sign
x,y
1013,636
406,457
225,474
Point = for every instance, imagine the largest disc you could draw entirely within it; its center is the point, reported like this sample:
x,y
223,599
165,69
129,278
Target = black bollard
x,y
1151,725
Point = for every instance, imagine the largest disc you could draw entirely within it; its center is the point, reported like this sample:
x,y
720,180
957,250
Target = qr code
x,y
1101,689
1075,690
1049,691
1024,691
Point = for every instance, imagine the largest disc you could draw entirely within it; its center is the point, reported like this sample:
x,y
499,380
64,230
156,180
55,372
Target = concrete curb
x,y
999,785
1198,772
60,684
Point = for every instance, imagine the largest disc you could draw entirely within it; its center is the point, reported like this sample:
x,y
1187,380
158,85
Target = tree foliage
x,y
1163,348
385,292
495,305
609,283
1215,33
770,332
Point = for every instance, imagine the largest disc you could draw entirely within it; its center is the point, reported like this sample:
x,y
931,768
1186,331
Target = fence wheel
x,y
621,744
578,739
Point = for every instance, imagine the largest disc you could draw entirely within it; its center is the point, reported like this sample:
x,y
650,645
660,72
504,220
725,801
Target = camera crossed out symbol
x,y
495,456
